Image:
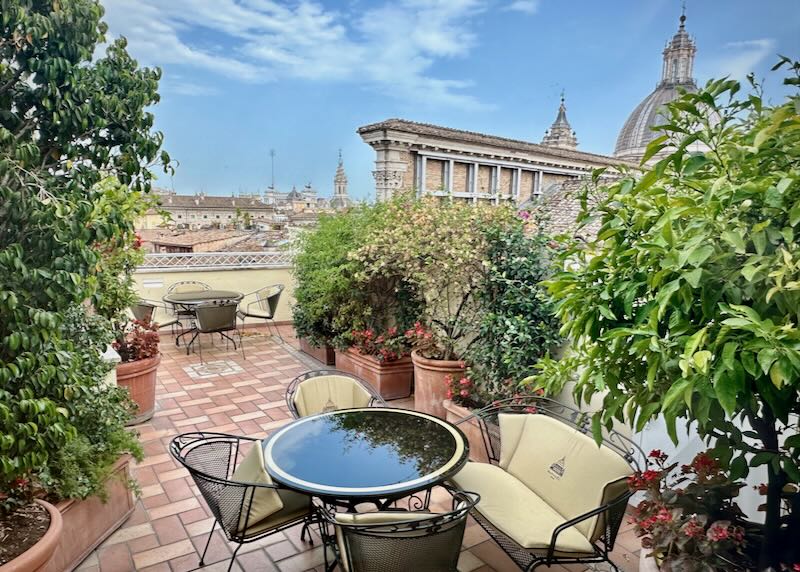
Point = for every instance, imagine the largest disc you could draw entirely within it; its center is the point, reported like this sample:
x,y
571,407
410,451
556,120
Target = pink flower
x,y
464,393
694,529
449,394
464,381
719,531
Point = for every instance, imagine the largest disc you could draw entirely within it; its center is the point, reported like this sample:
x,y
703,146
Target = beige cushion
x,y
329,392
295,506
266,501
517,511
372,518
511,427
566,468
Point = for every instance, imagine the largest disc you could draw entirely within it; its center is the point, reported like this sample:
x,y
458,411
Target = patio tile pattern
x,y
229,394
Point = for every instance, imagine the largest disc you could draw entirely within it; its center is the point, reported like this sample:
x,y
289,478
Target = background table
x,y
365,455
188,300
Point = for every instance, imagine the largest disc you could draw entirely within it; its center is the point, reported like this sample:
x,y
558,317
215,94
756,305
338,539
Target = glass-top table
x,y
365,454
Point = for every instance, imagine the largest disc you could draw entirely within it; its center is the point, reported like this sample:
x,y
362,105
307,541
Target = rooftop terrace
x,y
241,396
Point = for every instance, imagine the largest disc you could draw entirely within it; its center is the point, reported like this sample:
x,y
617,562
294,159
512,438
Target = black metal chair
x,y
554,461
397,541
216,317
154,312
326,390
214,461
183,312
264,306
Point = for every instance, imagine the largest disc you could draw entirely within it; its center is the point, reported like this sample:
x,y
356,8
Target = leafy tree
x,y
687,303
66,123
517,321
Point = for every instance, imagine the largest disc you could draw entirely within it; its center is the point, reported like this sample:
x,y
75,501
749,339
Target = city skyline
x,y
243,77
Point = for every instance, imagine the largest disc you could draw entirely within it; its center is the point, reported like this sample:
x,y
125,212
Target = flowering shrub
x,y
139,342
459,390
386,347
689,520
439,249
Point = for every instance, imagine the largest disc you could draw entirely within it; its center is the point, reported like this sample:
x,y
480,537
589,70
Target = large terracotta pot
x,y
429,386
391,379
37,557
325,354
88,522
471,429
140,379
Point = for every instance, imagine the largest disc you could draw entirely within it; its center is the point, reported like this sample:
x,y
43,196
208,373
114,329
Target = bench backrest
x,y
564,467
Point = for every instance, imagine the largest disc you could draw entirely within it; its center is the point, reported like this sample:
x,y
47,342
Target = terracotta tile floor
x,y
170,525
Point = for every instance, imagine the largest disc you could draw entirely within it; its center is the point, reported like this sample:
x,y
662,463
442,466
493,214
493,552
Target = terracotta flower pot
x,y
37,557
429,386
140,378
391,379
324,354
471,429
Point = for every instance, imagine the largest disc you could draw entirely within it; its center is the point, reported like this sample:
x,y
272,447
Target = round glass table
x,y
368,454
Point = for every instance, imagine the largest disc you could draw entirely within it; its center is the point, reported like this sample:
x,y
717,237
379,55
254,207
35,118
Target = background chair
x,y
264,306
399,541
329,390
549,494
217,318
246,504
154,312
182,312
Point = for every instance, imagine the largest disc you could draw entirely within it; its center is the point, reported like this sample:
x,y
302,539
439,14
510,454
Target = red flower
x,y
762,489
530,409
657,454
392,331
796,567
449,393
464,381
464,393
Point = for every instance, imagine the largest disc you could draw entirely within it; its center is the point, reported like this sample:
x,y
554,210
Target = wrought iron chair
x,y
264,306
186,286
550,494
155,312
217,318
397,541
245,503
326,390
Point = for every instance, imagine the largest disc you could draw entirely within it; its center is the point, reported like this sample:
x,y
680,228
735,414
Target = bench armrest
x,y
623,498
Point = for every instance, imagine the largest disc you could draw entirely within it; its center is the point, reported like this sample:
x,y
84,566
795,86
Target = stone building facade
x,y
441,161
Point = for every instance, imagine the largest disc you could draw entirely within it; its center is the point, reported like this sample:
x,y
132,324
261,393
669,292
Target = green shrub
x,y
517,321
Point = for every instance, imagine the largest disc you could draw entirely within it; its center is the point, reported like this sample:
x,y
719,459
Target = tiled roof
x,y
562,207
188,237
490,140
210,201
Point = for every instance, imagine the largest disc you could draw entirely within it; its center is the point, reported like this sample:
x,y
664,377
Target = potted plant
x,y
439,249
685,306
382,359
690,521
138,351
62,430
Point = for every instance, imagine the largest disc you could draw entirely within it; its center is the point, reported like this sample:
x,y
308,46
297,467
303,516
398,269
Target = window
x,y
180,216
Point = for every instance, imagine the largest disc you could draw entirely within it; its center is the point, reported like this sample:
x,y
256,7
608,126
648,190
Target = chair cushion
x,y
518,512
329,392
565,467
255,312
375,518
163,318
266,501
295,506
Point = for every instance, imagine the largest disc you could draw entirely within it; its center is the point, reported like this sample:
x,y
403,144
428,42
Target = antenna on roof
x,y
272,161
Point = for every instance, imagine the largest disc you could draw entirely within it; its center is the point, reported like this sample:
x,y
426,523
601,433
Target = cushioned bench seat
x,y
517,511
548,473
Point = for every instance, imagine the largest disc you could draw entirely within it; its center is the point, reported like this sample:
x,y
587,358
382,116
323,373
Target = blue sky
x,y
242,77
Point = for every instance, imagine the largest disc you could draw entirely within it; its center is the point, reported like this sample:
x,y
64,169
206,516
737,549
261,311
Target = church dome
x,y
676,76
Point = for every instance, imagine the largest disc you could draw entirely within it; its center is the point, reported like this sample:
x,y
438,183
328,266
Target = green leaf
x,y
675,392
729,354
693,164
726,389
794,214
735,239
597,428
761,458
760,242
766,357
738,468
693,277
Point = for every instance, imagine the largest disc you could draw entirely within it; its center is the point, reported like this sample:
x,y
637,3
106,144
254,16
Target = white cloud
x,y
741,58
391,47
524,6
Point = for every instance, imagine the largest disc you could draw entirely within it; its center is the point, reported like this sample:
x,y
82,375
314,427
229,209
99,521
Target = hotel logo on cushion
x,y
558,468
